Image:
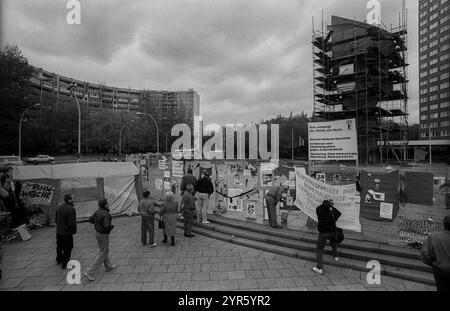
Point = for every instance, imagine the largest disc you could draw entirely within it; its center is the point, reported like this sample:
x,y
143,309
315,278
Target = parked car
x,y
10,161
41,158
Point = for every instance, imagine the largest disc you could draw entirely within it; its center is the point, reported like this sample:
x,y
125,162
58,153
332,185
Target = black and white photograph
x,y
133,134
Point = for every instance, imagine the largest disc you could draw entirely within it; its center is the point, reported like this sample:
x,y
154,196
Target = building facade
x,y
167,107
434,64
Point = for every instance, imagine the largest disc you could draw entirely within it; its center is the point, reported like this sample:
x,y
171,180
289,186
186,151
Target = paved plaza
x,y
198,263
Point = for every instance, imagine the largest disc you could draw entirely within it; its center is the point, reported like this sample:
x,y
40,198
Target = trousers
x,y
64,246
103,256
321,241
148,226
202,206
442,279
271,211
188,221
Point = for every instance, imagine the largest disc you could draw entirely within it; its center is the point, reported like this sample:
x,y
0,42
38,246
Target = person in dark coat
x,y
327,215
8,197
273,197
188,179
203,190
436,253
66,227
188,210
147,211
169,213
103,227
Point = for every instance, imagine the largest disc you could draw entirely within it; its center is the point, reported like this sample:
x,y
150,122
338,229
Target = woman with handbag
x,y
169,213
327,215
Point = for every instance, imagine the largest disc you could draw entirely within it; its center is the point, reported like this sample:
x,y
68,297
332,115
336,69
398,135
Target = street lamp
x,y
167,137
71,86
20,128
120,136
157,129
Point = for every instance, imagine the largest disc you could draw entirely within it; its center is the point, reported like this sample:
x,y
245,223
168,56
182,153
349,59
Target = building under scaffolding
x,y
360,71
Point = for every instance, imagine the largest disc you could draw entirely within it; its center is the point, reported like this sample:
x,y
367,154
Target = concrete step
x,y
348,243
362,255
403,273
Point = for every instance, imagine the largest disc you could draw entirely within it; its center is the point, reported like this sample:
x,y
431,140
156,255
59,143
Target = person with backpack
x,y
327,215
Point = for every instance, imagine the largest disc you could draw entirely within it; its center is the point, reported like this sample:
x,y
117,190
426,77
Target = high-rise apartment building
x,y
434,64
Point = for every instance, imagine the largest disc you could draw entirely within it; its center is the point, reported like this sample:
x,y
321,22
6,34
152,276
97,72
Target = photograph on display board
x,y
251,210
266,179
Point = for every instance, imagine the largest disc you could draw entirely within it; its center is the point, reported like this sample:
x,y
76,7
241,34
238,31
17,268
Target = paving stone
x,y
236,275
217,276
271,273
182,276
225,285
200,276
317,288
53,288
190,286
226,267
209,286
154,286
176,268
131,287
164,276
356,287
254,274
247,284
171,286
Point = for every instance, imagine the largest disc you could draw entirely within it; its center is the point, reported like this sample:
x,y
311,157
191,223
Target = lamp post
x,y
79,120
156,125
120,136
20,128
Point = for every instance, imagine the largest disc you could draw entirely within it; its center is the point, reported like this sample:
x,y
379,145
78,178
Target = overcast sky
x,y
248,59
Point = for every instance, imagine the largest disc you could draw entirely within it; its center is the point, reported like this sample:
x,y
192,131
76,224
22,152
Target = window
x,y
444,19
433,88
445,124
424,65
434,115
434,7
444,133
423,57
444,47
423,83
434,25
423,134
423,117
433,34
424,74
444,29
434,52
444,38
423,108
445,104
445,85
433,97
433,70
434,125
433,16
444,95
434,80
423,91
434,107
445,66
444,57
423,100
444,76
434,61
423,48
424,126
445,114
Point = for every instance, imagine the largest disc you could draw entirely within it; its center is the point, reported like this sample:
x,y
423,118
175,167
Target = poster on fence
x,y
310,193
333,140
37,194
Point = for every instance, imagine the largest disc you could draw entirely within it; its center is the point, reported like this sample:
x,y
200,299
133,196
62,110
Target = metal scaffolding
x,y
360,71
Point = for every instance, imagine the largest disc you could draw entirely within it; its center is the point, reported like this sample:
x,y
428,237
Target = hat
x,y
67,197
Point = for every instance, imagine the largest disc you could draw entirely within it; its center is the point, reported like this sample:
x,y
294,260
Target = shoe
x,y
164,241
205,222
277,227
190,235
336,259
317,270
89,277
152,245
113,267
63,267
58,263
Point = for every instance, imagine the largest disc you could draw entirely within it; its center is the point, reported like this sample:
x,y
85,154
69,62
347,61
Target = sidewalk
x,y
198,263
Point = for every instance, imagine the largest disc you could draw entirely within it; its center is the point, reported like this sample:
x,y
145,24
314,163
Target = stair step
x,y
344,263
311,247
348,243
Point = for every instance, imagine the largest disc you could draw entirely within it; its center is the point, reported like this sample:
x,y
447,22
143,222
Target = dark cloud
x,y
247,59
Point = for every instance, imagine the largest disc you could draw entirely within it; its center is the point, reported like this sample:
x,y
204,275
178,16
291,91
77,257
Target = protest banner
x,y
310,193
334,140
37,194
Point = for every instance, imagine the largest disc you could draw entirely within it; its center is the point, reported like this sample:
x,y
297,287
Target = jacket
x,y
204,185
188,202
66,219
147,207
102,221
188,180
326,223
276,193
436,250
